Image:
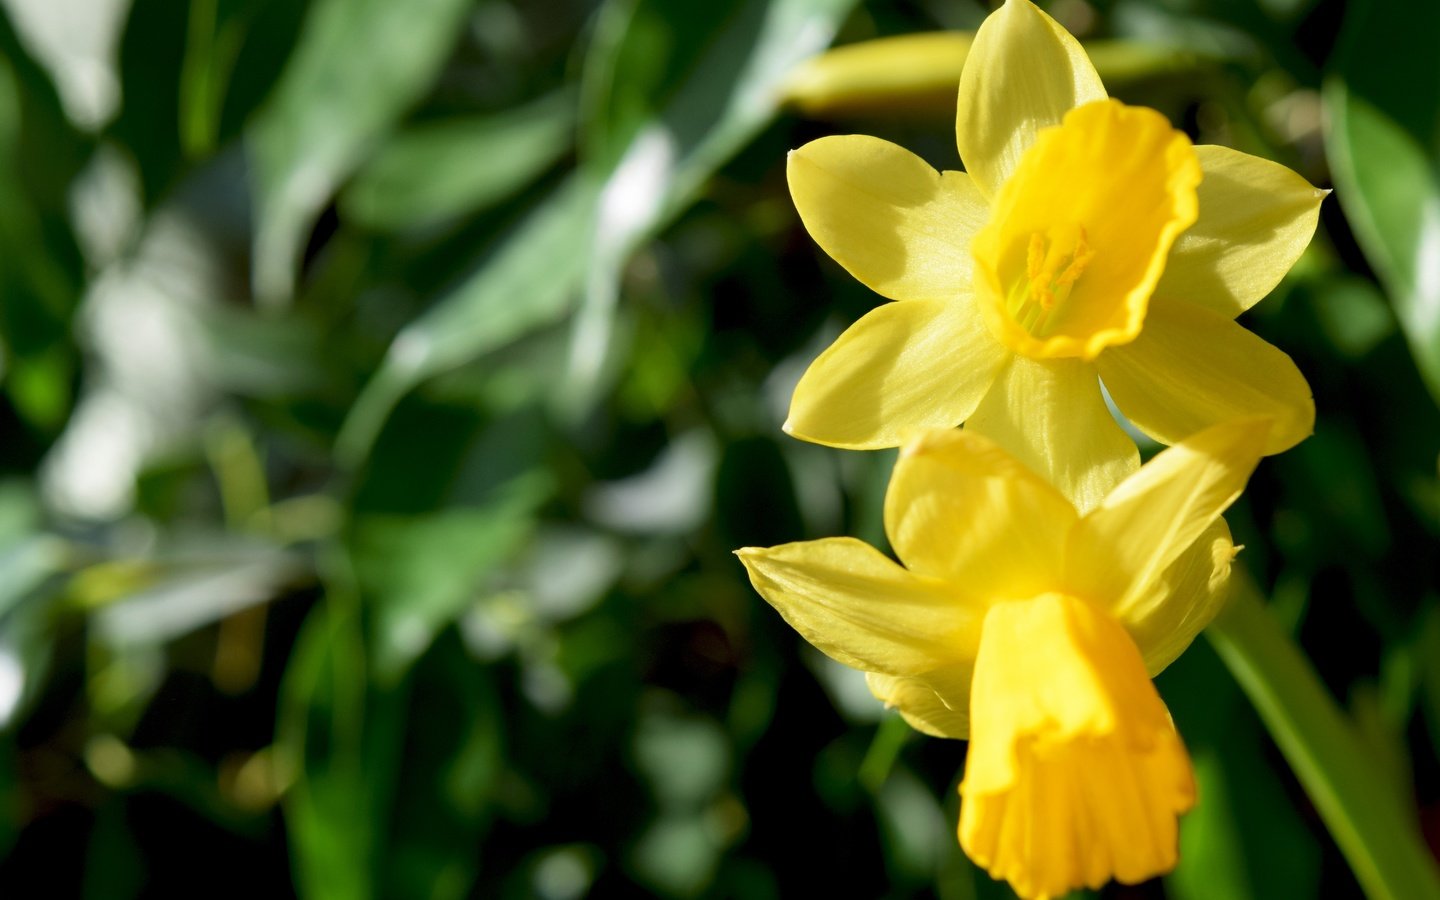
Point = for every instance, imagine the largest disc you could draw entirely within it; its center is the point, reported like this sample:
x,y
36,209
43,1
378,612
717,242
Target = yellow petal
x,y
962,510
936,703
1051,416
1165,619
896,224
860,608
1191,368
1080,233
903,366
1120,549
1256,218
1075,773
1024,73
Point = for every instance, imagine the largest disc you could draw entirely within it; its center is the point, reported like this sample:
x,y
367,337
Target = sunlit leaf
x,y
359,65
585,231
423,570
433,520
194,593
441,170
529,280
730,92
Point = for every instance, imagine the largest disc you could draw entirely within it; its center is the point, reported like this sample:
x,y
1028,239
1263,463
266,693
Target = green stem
x,y
890,737
1370,821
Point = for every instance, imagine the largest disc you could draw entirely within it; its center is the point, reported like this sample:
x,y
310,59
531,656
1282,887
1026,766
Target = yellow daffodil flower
x,y
1033,630
1087,241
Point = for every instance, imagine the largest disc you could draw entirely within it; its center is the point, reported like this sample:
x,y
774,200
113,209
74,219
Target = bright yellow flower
x,y
1088,240
1033,629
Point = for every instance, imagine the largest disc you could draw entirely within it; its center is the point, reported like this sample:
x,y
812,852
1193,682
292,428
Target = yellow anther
x,y
1079,259
1036,257
1054,260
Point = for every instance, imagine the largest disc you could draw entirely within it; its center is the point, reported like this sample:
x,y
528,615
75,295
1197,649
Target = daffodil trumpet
x,y
1033,629
1087,240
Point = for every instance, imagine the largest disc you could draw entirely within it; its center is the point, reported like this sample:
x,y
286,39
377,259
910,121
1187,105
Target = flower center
x,y
1079,233
1054,263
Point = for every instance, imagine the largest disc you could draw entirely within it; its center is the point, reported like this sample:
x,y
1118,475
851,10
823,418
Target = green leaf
x,y
331,809
152,53
1383,103
40,270
27,620
216,31
433,519
359,66
728,95
1351,312
1244,839
195,588
452,755
254,355
422,571
582,234
1377,833
528,281
50,148
443,170
912,823
391,784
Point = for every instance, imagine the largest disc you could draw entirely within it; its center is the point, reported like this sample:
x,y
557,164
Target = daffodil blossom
x,y
1033,629
1087,241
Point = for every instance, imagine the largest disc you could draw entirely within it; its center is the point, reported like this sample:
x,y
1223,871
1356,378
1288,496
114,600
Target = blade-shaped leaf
x,y
582,233
421,571
530,280
358,66
442,170
1384,143
391,784
330,811
731,92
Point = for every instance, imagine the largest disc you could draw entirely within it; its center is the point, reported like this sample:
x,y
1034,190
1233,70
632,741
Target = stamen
x,y
1054,261
1036,257
1078,261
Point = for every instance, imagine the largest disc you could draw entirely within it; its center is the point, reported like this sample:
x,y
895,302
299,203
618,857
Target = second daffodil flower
x,y
1087,240
1033,630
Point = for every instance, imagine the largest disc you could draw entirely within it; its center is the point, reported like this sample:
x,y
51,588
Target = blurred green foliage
x,y
384,385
